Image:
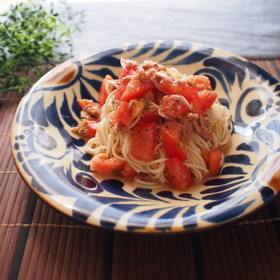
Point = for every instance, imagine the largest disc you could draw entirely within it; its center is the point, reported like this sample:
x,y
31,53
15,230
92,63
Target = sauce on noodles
x,y
156,125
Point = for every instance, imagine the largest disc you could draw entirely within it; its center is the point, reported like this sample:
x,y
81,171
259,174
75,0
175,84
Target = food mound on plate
x,y
156,125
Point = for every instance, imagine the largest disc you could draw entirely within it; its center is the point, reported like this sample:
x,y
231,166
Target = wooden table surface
x,y
39,243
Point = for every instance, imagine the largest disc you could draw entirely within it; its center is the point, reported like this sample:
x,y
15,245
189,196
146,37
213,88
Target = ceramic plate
x,y
52,162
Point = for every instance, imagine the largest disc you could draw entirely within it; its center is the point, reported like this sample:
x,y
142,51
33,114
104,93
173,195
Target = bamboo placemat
x,y
39,243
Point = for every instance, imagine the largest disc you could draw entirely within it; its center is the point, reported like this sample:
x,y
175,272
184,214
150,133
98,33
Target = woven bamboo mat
x,y
39,243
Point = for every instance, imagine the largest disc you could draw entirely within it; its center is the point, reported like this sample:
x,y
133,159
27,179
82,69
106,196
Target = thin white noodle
x,y
113,141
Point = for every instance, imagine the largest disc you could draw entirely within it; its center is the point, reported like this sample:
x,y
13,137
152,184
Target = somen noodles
x,y
156,125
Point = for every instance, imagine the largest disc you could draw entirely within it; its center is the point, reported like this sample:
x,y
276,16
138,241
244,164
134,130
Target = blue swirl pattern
x,y
51,159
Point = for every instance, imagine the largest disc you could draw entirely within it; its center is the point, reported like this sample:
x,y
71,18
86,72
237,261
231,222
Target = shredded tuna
x,y
82,129
92,111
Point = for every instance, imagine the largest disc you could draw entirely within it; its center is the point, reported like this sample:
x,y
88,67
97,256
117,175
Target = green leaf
x,y
30,36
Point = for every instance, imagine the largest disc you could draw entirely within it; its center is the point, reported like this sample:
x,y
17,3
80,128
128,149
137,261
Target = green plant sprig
x,y
29,45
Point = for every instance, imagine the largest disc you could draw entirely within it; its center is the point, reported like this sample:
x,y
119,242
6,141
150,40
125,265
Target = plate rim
x,y
152,230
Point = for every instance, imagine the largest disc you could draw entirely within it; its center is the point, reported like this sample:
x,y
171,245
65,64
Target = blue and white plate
x,y
52,161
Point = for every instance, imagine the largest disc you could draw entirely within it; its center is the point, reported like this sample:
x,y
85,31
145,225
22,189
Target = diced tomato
x,y
214,162
91,129
104,165
129,68
174,106
188,92
207,98
178,174
171,140
128,171
121,89
192,96
137,88
143,141
149,116
123,114
126,72
151,96
102,92
168,87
